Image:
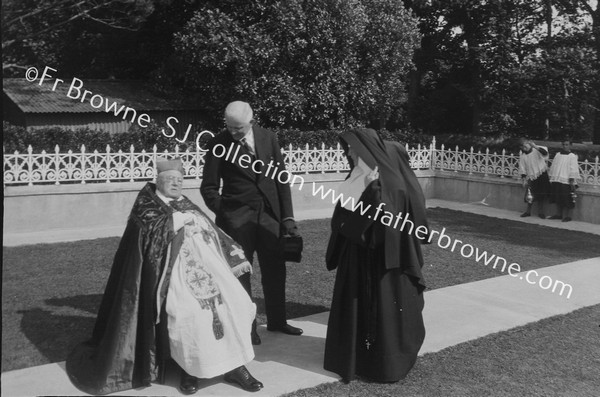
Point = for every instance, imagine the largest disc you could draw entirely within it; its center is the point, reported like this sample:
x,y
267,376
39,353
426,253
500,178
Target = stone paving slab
x,y
283,363
452,315
469,311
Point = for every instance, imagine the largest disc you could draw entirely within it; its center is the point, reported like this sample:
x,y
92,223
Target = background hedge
x,y
18,139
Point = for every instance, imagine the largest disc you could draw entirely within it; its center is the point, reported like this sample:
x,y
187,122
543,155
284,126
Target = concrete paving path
x,y
287,363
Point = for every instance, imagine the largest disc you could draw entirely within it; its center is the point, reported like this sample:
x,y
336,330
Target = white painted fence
x,y
108,167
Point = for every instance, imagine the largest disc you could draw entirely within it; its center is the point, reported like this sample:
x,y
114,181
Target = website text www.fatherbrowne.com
x,y
76,91
399,221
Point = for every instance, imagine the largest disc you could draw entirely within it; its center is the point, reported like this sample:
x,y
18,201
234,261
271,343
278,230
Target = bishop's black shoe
x,y
242,377
286,329
188,383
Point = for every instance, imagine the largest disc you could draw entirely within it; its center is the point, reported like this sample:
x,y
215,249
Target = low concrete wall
x,y
508,193
46,214
73,212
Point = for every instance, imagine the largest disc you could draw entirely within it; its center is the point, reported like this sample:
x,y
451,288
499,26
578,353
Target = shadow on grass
x,y
88,303
54,335
293,309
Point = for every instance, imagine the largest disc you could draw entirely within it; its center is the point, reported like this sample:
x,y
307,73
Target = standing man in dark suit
x,y
254,206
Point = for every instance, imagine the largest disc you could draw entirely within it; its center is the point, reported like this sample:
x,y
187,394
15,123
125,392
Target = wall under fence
x,y
508,194
51,213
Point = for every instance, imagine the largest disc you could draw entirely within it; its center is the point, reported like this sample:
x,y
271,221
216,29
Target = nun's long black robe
x,y
375,325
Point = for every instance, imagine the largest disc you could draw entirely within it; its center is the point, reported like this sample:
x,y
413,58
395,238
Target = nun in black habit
x,y
375,325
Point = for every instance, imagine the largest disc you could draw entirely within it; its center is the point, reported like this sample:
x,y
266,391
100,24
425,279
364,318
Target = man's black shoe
x,y
242,377
188,383
286,329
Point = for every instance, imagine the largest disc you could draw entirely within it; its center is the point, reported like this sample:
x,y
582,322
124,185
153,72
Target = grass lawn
x,y
51,292
557,356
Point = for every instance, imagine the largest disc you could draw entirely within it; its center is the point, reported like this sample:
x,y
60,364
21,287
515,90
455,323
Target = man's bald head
x,y
238,112
238,117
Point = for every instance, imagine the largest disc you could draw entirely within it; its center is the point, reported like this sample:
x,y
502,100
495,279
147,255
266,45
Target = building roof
x,y
33,98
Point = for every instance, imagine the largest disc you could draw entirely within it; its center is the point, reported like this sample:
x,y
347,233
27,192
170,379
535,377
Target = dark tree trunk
x,y
548,9
476,85
596,33
596,131
474,65
414,87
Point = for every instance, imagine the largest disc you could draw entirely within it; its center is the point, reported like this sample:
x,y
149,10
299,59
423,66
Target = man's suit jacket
x,y
243,186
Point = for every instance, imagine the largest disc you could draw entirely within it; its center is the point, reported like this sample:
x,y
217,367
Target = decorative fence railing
x,y
97,167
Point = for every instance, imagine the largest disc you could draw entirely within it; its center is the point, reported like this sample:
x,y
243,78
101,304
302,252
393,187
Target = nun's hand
x,y
373,175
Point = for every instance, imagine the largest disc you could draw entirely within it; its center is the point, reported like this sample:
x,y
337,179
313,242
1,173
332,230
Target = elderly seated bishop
x,y
172,296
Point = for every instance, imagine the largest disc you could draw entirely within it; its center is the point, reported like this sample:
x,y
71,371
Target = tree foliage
x,y
71,35
316,63
511,67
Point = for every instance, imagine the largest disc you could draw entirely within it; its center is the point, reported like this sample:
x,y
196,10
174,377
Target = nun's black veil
x,y
401,193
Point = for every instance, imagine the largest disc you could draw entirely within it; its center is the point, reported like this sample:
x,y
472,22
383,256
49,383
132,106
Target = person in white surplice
x,y
209,312
173,293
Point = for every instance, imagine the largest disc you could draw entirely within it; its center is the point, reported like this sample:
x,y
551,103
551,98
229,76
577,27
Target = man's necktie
x,y
247,146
